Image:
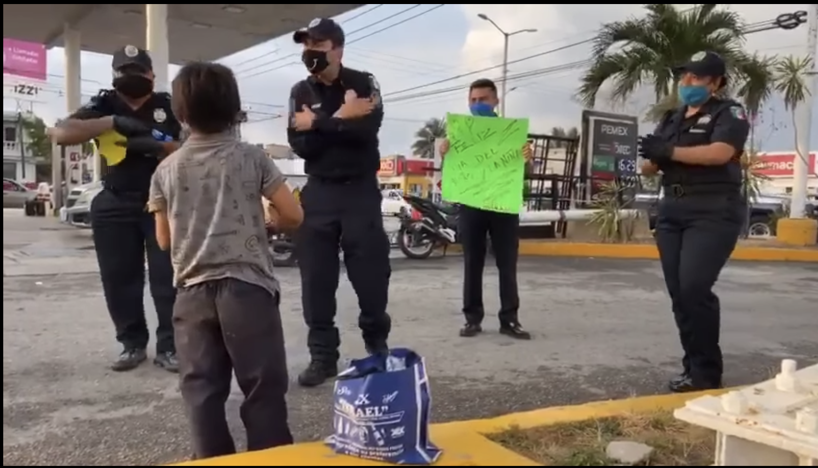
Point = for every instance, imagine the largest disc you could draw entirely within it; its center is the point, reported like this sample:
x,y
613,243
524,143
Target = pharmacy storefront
x,y
779,168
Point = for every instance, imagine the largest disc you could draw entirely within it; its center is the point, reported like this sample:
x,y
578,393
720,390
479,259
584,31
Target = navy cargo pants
x,y
343,213
123,231
696,235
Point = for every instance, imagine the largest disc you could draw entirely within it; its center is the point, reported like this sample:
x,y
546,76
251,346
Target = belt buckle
x,y
678,190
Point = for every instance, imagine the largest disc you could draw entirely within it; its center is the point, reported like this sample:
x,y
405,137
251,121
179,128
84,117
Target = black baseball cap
x,y
132,56
321,29
704,64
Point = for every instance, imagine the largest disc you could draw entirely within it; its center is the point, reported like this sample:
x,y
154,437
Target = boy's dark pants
x,y
222,326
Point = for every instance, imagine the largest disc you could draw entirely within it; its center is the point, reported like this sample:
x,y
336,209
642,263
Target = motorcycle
x,y
433,225
282,248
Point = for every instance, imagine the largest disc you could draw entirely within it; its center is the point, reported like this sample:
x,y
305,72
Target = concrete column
x,y
156,37
73,66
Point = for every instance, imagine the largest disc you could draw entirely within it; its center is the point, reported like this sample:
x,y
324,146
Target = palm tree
x,y
560,132
424,145
791,83
653,46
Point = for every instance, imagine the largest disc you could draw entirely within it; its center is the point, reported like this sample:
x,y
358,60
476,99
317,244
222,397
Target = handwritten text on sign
x,y
484,167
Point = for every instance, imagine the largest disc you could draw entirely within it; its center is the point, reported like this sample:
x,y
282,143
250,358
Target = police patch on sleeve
x,y
738,112
376,90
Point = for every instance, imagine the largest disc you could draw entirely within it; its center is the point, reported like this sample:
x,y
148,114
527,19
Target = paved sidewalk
x,y
602,329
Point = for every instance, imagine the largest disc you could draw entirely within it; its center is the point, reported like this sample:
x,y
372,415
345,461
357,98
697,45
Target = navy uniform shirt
x,y
336,149
719,120
133,174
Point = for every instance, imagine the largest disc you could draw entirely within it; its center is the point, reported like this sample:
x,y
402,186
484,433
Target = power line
x,y
266,54
295,54
347,20
417,5
483,70
748,29
357,39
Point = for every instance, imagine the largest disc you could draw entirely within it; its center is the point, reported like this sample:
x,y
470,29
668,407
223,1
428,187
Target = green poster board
x,y
484,167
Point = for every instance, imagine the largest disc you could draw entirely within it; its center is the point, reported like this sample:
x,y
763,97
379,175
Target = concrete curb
x,y
463,442
649,251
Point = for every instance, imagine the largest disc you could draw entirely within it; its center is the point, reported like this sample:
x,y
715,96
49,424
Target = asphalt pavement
x,y
602,329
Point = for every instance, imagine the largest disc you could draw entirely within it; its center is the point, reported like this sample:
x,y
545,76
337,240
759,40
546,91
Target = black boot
x,y
317,373
129,359
471,330
514,330
686,384
167,361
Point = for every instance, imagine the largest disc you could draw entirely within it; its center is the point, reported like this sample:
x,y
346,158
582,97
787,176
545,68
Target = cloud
x,y
437,46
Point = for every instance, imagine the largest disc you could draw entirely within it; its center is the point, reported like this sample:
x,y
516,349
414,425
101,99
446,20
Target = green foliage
x,y
613,226
38,144
424,145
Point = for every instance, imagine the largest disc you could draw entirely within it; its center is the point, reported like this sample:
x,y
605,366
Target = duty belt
x,y
681,190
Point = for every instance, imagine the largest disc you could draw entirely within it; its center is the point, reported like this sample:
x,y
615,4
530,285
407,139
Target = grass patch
x,y
583,443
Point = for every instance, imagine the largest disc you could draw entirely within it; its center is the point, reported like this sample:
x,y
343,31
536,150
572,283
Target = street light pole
x,y
505,74
506,37
804,122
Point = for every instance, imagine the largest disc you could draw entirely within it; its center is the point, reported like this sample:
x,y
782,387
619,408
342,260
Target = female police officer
x,y
698,148
123,229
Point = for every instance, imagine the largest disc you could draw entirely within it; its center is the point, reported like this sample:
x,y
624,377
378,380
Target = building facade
x,y
412,176
778,167
17,164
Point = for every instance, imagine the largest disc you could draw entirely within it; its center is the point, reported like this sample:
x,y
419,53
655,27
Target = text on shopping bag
x,y
382,411
484,167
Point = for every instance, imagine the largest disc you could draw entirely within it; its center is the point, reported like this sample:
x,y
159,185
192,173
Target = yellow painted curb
x,y
649,251
567,414
460,448
462,442
797,232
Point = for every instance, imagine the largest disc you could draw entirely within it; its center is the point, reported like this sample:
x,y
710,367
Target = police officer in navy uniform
x,y
334,121
698,149
123,229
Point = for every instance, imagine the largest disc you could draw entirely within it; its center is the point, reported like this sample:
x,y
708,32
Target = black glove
x,y
146,145
655,149
130,127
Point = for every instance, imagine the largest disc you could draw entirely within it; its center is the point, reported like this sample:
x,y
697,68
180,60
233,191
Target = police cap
x,y
132,56
321,29
705,64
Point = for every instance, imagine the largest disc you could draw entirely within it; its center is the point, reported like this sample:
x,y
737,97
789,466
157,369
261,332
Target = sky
x,y
442,42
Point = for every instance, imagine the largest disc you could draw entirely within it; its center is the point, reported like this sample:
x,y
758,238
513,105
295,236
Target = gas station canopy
x,y
195,32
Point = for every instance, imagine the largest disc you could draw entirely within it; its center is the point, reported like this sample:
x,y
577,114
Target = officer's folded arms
x,y
352,108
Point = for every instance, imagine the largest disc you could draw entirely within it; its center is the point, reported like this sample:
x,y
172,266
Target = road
x,y
602,330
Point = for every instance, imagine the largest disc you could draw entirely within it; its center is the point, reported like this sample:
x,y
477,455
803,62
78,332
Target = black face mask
x,y
315,61
133,86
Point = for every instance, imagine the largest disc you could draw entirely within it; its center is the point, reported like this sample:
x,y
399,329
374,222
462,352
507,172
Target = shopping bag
x,y
382,406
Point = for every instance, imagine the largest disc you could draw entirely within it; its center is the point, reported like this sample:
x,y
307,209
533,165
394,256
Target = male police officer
x,y
698,149
503,231
335,117
122,227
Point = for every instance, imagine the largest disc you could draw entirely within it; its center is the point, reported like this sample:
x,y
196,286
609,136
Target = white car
x,y
77,211
393,204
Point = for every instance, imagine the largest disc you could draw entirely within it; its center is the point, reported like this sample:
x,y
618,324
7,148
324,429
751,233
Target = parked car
x,y
77,211
393,204
16,195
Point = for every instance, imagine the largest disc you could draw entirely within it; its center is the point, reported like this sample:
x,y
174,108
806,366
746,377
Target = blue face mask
x,y
694,95
482,109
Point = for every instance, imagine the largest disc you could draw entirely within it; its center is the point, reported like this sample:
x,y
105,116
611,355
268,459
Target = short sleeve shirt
x,y
211,189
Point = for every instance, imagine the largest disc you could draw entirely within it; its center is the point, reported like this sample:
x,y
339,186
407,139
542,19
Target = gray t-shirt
x,y
211,189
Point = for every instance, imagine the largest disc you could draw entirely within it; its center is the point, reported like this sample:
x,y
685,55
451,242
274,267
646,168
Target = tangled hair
x,y
206,97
